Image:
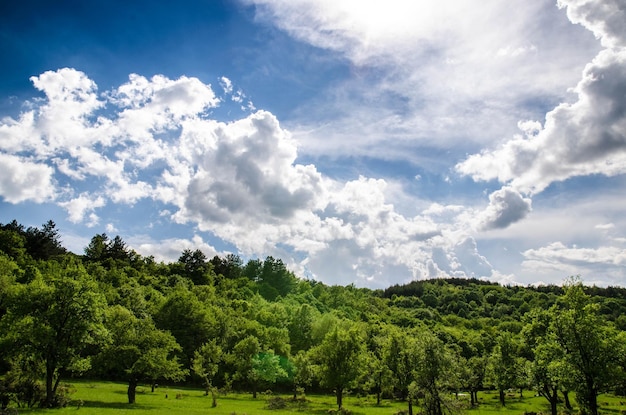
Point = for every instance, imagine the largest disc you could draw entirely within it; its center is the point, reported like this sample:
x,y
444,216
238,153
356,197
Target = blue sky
x,y
370,142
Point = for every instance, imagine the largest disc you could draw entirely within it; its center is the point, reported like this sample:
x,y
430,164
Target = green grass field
x,y
108,398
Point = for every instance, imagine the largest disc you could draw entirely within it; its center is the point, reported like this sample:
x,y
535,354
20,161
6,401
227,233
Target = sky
x,y
362,142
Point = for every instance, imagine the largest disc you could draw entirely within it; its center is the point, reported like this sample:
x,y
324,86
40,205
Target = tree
x,y
503,364
302,372
589,343
301,327
548,369
138,351
205,364
96,251
266,368
44,243
243,354
433,368
549,372
229,267
55,319
339,358
475,376
195,266
190,321
400,357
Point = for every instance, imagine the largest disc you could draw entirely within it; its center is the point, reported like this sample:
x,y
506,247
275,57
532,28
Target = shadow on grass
x,y
115,405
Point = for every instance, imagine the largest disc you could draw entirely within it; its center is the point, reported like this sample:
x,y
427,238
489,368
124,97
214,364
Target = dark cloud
x,y
506,206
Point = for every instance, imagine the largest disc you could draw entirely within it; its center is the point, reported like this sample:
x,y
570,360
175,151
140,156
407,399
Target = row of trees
x,y
114,314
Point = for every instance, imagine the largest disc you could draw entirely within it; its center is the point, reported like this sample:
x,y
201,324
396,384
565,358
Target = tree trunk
x,y
132,391
214,396
50,389
410,406
553,409
568,404
339,393
254,390
593,401
502,397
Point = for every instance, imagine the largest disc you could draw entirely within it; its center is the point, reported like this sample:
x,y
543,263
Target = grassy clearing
x,y
109,398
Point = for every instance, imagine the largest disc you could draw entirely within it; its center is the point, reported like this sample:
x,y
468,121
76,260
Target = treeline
x,y
228,324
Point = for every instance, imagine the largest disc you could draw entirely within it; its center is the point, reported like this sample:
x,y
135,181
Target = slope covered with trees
x,y
220,323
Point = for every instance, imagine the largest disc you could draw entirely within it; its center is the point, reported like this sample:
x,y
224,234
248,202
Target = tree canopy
x,y
234,324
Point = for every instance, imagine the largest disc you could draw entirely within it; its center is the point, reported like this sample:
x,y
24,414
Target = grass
x,y
109,398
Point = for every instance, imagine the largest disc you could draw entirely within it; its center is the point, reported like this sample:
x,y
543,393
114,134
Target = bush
x,y
276,402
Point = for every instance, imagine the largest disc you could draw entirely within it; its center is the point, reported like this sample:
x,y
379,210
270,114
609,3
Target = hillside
x,y
112,314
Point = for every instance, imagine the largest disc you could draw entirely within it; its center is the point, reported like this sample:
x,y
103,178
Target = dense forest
x,y
218,322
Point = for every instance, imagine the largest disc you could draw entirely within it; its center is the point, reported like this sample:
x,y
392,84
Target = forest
x,y
223,324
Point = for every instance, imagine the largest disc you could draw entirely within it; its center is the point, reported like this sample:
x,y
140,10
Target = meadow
x,y
109,398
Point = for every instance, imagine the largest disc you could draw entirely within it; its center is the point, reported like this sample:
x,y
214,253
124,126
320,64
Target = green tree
x,y
195,266
55,319
44,243
242,356
302,372
502,367
340,358
205,364
96,251
266,368
301,327
400,358
138,351
434,366
589,343
548,369
191,321
474,376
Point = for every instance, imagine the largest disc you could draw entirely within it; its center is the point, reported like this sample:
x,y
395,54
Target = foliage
x,y
248,325
339,358
55,319
138,351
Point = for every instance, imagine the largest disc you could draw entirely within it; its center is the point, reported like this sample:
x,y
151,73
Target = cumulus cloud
x,y
577,139
169,249
603,265
604,18
78,207
456,70
239,181
506,206
22,179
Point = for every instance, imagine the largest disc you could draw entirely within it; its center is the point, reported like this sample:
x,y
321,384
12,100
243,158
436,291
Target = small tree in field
x,y
205,364
339,359
589,344
266,368
56,319
302,372
139,351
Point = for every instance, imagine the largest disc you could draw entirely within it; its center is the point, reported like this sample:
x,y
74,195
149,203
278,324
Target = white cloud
x,y
170,249
241,182
582,138
455,70
506,206
78,207
604,18
579,139
603,265
22,180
